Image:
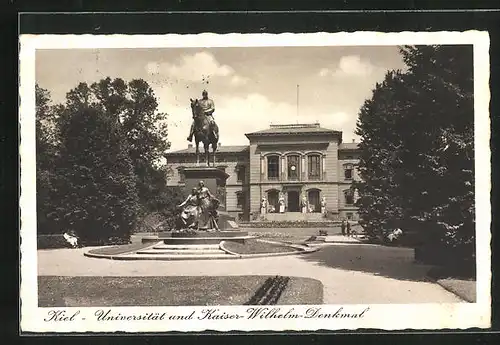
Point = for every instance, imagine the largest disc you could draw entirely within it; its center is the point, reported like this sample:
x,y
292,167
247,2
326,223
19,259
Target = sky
x,y
251,87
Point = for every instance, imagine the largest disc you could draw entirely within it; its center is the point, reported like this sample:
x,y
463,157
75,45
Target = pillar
x,y
323,167
303,168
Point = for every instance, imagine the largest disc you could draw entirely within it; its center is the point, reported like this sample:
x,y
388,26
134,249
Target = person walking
x,y
342,227
348,228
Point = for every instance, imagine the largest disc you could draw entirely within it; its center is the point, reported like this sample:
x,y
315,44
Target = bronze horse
x,y
203,132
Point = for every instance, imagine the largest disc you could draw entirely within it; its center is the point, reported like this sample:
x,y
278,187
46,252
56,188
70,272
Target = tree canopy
x,y
417,147
98,158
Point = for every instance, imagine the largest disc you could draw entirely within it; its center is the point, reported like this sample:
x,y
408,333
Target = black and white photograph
x,y
255,182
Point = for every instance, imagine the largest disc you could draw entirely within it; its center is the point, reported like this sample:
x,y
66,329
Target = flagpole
x,y
297,103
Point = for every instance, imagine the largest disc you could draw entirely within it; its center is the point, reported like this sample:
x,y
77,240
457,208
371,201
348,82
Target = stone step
x,y
203,234
186,246
204,240
340,239
182,251
175,257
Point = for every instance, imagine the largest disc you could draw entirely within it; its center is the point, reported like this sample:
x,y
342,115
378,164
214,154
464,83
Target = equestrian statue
x,y
204,129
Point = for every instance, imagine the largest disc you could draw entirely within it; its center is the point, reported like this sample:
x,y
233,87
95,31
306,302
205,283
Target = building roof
x,y
349,146
299,128
220,149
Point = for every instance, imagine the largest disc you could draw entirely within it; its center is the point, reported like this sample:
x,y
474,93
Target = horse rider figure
x,y
208,107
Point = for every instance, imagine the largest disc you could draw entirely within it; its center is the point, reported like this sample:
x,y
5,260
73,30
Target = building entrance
x,y
293,201
314,202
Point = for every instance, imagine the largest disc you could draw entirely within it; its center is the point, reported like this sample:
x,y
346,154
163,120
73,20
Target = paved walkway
x,y
350,274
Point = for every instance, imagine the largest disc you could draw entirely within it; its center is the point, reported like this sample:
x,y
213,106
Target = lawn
x,y
256,247
465,289
302,291
116,250
55,291
453,279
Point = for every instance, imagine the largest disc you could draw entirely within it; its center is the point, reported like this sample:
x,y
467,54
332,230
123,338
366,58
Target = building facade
x,y
295,162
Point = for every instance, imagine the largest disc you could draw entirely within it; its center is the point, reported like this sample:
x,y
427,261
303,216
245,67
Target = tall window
x,y
273,167
293,167
348,169
314,201
349,197
240,199
241,173
182,176
313,167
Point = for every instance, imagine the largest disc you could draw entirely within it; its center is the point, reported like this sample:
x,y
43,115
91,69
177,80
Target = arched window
x,y
293,163
314,167
273,165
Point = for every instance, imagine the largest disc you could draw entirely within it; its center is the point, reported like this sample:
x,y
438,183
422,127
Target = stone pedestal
x,y
203,237
214,179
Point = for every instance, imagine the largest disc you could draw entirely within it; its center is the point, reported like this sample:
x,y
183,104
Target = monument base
x,y
202,237
201,234
213,178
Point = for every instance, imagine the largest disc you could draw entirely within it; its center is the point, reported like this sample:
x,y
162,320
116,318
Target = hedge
x,y
52,242
289,224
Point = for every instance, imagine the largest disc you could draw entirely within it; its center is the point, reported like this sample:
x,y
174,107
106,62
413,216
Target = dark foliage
x,y
417,144
97,184
99,160
52,241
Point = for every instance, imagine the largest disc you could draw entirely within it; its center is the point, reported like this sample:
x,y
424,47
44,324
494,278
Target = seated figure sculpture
x,y
199,210
190,210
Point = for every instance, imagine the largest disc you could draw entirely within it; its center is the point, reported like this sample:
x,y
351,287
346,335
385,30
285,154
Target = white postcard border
x,y
382,316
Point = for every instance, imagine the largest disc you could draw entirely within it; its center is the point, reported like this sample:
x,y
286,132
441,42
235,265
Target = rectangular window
x,y
313,167
240,199
348,171
293,167
272,167
349,197
241,173
182,176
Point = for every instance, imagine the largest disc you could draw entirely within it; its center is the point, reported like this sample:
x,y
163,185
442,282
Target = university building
x,y
295,161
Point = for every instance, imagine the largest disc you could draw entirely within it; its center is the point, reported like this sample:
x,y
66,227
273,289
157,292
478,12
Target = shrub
x,y
291,224
53,241
98,187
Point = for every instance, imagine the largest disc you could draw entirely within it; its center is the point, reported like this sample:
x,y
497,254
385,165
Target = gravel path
x,y
351,274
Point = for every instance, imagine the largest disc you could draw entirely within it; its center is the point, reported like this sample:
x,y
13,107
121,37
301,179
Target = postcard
x,y
255,182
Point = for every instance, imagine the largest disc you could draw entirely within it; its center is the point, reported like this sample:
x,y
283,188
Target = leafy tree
x,y
441,80
379,125
135,106
46,155
97,178
417,148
